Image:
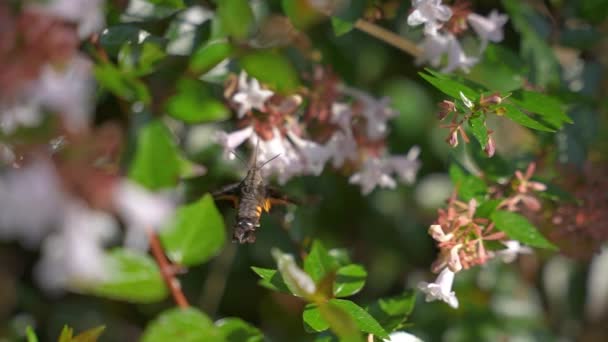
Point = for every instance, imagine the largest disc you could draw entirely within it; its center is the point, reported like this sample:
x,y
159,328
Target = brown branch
x,y
167,270
388,37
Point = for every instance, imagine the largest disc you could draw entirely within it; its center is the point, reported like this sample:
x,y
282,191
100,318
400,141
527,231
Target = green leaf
x,y
350,279
121,84
549,108
272,69
114,37
362,318
313,319
209,55
30,334
90,335
344,20
519,228
181,324
156,162
486,208
449,85
66,334
140,59
392,312
236,17
477,125
468,185
177,4
300,13
318,263
523,119
340,322
237,330
196,234
194,104
298,281
132,277
271,279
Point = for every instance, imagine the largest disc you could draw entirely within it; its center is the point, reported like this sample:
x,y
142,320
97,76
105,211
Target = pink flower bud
x,y
445,107
491,100
490,148
452,139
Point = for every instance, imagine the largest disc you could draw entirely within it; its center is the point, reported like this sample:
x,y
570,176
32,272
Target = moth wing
x,y
229,192
275,197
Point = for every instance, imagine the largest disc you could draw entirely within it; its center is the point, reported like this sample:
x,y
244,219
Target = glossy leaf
x,y
156,161
519,228
362,318
196,234
350,279
392,312
319,263
133,277
237,330
271,69
121,84
486,209
208,56
513,113
140,59
236,17
168,3
181,324
549,108
114,37
271,279
448,85
477,125
298,281
193,103
468,185
313,319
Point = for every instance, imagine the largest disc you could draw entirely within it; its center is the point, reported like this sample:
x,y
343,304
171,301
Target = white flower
x,y
373,173
466,101
75,255
513,249
142,210
431,13
67,91
314,155
441,289
19,113
376,112
342,146
435,47
287,162
406,166
230,141
31,202
438,235
250,95
490,28
87,14
402,336
341,114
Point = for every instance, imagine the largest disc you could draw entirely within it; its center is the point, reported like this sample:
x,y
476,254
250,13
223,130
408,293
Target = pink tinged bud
x,y
537,186
437,233
454,260
493,99
453,138
445,107
530,170
531,203
490,148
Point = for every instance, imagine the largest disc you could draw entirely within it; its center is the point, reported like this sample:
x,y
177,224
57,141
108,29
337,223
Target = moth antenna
x,y
238,157
254,157
268,161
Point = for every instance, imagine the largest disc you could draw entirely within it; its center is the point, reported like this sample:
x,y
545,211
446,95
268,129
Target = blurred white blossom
x,y
373,173
402,336
250,95
406,166
514,248
230,141
441,289
436,46
74,255
24,113
488,28
88,15
376,112
431,13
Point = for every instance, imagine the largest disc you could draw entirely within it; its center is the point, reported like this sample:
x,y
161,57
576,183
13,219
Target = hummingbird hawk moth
x,y
251,196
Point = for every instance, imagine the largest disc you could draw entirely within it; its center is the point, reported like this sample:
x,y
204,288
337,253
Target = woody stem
x,y
388,37
166,270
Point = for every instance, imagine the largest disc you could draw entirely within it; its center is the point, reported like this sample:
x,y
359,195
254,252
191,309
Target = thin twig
x,y
167,270
388,37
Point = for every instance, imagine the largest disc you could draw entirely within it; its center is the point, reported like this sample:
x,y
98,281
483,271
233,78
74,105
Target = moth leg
x,y
276,197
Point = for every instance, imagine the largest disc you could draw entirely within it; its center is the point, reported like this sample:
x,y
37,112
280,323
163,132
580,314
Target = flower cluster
x,y
470,112
341,125
461,236
442,26
62,192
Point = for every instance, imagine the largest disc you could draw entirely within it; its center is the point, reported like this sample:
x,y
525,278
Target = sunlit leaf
x,y
350,279
477,125
519,228
271,279
467,185
236,17
209,55
193,103
392,312
196,234
272,69
237,330
181,324
318,263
